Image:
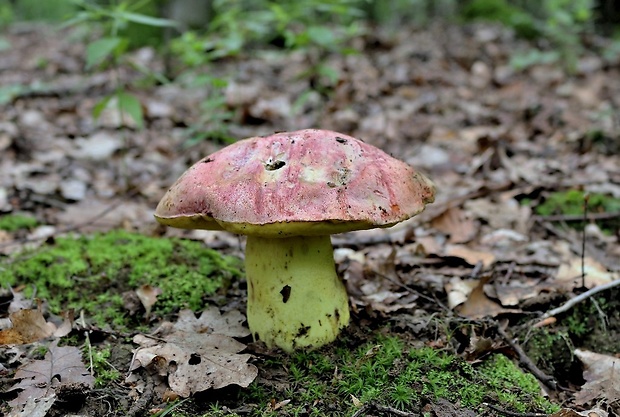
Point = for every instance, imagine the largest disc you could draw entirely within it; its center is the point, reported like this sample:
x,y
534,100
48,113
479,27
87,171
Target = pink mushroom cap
x,y
303,183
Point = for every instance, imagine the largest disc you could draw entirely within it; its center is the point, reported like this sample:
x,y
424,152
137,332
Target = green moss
x,y
103,370
13,222
572,202
517,390
387,372
92,273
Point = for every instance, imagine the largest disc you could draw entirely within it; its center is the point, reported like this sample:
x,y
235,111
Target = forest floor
x,y
463,310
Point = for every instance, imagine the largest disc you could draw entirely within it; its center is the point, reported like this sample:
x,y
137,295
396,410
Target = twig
x,y
586,199
361,411
382,409
575,300
90,354
512,413
147,395
526,361
392,410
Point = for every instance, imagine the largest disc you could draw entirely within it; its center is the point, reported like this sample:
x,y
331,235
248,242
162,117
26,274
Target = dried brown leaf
x,y
35,407
60,367
567,412
148,296
28,326
478,305
198,353
455,223
471,256
602,375
569,274
211,321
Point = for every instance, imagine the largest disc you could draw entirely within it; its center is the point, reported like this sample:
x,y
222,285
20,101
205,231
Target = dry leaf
x,y
569,274
28,326
458,290
148,297
198,353
471,256
602,375
567,412
35,407
67,324
62,366
19,302
478,305
457,224
211,321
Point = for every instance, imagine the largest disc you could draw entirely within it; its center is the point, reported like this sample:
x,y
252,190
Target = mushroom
x,y
288,192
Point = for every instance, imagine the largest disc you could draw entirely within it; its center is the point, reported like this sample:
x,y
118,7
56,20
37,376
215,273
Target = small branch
x,y
142,403
512,413
392,410
361,411
586,199
382,409
526,361
581,297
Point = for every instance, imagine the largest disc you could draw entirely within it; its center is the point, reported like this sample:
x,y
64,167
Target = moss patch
x,y
92,272
13,222
387,372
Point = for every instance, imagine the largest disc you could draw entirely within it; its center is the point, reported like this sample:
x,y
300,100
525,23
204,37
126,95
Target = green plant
x,y
104,371
115,19
317,27
560,22
34,10
13,222
574,203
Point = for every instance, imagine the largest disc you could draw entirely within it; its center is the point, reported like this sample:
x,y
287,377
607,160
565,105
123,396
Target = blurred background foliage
x,y
193,34
207,30
289,21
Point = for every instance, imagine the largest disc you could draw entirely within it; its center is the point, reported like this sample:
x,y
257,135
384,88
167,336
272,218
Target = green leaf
x,y
128,103
9,92
100,106
101,49
321,36
146,20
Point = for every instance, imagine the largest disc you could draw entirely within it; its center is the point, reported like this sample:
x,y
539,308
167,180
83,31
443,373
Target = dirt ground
x,y
516,155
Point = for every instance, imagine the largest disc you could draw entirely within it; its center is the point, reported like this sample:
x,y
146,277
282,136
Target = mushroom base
x,y
295,298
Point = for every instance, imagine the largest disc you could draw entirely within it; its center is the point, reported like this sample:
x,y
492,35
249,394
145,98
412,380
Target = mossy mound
x,y
91,273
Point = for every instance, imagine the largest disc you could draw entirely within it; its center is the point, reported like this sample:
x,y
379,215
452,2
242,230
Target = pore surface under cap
x,y
295,183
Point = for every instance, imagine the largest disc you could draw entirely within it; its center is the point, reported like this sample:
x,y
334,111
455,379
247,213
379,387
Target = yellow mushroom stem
x,y
295,298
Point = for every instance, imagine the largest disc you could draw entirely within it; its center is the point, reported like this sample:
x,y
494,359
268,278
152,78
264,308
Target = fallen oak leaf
x,y
197,354
61,367
211,321
35,407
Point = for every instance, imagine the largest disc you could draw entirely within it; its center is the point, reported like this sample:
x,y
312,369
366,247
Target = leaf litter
x,y
62,368
196,354
497,142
